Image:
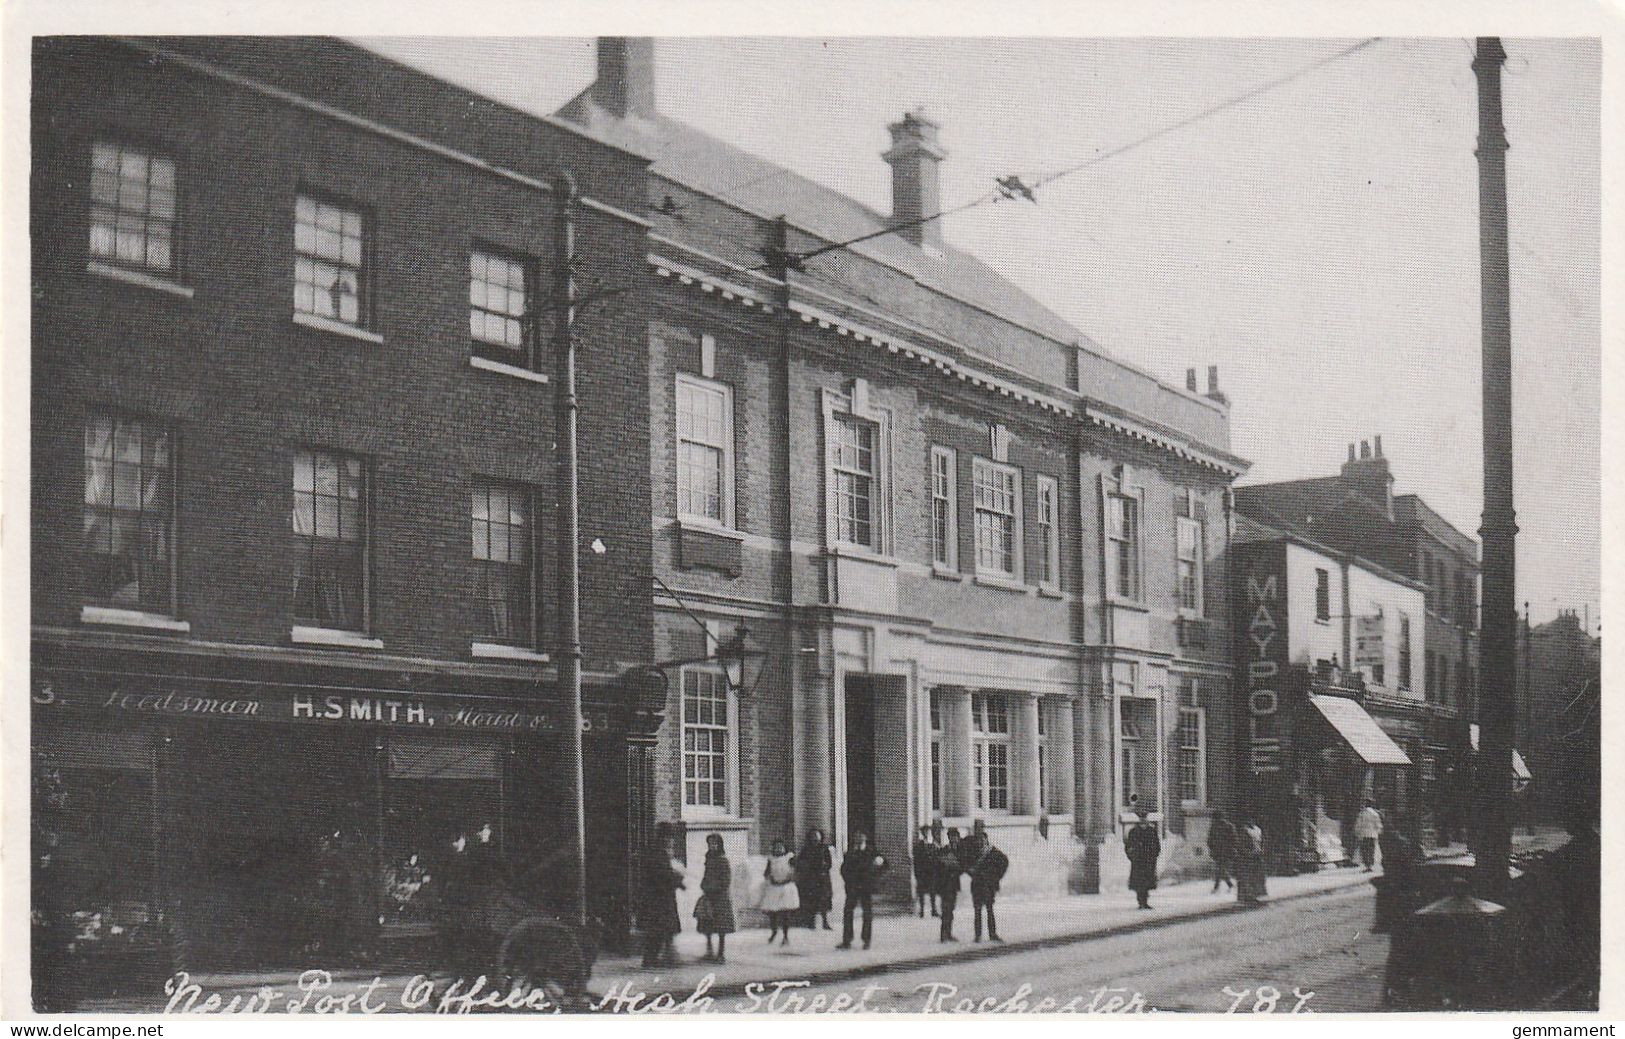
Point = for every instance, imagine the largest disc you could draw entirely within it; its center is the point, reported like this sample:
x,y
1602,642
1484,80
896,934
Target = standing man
x,y
1143,847
1221,844
948,868
986,870
925,864
1367,828
860,869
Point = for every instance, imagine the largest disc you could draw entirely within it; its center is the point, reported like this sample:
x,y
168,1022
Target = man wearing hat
x,y
1143,847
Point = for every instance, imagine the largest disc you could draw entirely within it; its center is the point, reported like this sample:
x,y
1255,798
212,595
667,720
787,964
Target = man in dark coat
x,y
925,864
1143,847
948,867
1221,844
860,870
986,867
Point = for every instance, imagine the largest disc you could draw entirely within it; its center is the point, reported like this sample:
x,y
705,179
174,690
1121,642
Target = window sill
x,y
1324,622
861,553
703,819
946,572
1128,604
502,651
1009,584
334,637
132,619
326,324
1050,592
146,281
488,365
706,525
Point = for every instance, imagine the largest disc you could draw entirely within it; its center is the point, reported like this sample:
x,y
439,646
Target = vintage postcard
x,y
854,519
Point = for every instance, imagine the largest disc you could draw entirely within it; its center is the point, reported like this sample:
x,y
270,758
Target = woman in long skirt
x,y
812,879
714,912
779,899
1250,864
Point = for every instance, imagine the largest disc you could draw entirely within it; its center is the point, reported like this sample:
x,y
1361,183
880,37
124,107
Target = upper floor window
x,y
499,318
1123,545
998,494
855,470
1049,532
132,207
1323,594
1442,692
330,521
329,261
990,752
705,450
129,517
1404,651
708,756
1189,534
503,551
944,508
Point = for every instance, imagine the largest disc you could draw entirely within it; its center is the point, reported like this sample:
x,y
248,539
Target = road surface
x,y
1321,945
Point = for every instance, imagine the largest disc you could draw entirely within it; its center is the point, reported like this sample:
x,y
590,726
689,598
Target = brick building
x,y
289,353
1559,690
1357,511
982,557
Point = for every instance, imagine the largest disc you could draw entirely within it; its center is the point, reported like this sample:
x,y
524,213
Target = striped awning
x,y
1359,730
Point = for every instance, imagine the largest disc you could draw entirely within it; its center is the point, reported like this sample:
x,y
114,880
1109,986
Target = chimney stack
x,y
626,76
1376,445
1370,475
915,192
1365,449
1351,452
1213,392
1190,379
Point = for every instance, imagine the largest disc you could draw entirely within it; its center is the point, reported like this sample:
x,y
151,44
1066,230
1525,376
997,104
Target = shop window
x,y
443,810
990,752
944,509
998,519
329,520
708,742
937,737
129,517
330,275
132,207
499,318
705,451
503,549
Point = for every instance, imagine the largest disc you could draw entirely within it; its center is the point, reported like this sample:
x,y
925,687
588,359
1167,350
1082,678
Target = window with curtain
x,y
499,319
329,520
132,207
990,752
705,447
997,490
129,515
1123,536
707,739
503,555
329,261
854,472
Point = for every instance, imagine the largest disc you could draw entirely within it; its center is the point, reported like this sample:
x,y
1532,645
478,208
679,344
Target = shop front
x,y
296,816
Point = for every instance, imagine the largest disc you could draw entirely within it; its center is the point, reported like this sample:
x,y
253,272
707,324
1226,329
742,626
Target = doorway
x,y
860,755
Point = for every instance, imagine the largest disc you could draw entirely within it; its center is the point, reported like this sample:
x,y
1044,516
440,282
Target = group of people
x,y
938,866
1238,857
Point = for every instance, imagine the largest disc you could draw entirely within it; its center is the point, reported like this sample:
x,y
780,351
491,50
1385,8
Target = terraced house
x,y
980,558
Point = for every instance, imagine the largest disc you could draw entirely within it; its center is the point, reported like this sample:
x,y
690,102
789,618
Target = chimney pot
x,y
1365,449
1190,379
915,191
1376,446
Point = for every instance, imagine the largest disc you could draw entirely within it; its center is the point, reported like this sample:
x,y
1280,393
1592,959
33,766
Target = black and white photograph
x,y
905,522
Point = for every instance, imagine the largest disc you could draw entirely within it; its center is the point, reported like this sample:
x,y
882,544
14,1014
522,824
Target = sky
x,y
1317,242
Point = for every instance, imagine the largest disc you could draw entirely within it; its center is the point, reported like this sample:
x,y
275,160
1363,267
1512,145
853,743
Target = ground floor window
x,y
442,800
1137,730
936,752
990,752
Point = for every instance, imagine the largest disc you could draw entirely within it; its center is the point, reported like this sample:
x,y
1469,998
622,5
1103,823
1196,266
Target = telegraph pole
x,y
570,542
1498,642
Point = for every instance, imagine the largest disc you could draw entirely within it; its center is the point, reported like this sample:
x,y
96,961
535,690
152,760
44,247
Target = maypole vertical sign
x,y
1265,645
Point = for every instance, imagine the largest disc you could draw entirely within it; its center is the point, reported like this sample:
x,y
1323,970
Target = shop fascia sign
x,y
413,712
1368,640
1265,642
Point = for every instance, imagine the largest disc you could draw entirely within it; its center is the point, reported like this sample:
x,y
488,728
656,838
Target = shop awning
x,y
1520,770
1359,730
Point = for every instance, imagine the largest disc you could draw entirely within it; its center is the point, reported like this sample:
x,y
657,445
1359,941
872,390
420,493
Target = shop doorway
x,y
860,755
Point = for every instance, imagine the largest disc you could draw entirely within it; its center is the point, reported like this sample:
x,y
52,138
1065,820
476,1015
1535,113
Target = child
x,y
779,898
714,912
